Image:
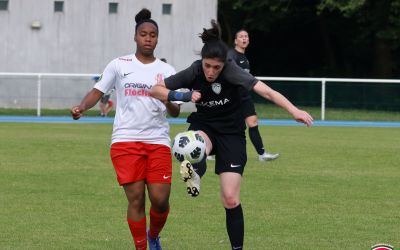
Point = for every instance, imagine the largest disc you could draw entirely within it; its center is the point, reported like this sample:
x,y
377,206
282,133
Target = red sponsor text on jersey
x,y
135,92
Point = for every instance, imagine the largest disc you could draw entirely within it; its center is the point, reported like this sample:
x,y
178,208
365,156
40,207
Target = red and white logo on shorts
x,y
382,247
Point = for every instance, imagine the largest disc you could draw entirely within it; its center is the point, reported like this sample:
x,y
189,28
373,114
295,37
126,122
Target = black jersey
x,y
240,59
219,106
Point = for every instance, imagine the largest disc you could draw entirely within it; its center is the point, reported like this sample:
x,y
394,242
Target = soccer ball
x,y
189,145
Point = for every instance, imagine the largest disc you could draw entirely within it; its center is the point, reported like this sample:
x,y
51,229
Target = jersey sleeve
x,y
236,75
232,56
182,79
170,70
107,79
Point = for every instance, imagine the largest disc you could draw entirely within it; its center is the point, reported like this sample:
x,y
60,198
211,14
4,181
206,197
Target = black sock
x,y
255,138
201,167
235,226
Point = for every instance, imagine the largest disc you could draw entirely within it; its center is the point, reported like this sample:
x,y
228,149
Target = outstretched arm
x,y
268,93
159,91
162,93
87,102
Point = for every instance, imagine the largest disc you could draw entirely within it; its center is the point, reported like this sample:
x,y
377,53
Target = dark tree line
x,y
317,38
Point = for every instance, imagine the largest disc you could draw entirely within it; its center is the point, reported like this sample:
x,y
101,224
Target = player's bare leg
x,y
159,197
135,193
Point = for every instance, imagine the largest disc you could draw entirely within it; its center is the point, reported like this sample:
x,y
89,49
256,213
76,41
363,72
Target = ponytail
x,y
213,46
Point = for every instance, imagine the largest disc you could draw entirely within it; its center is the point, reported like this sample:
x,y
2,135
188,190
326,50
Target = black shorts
x,y
104,99
248,107
229,149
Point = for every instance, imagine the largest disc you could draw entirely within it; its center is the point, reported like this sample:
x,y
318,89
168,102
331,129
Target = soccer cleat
x,y
154,243
191,178
268,156
211,158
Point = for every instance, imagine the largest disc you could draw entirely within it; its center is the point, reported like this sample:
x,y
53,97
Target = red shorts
x,y
110,103
136,161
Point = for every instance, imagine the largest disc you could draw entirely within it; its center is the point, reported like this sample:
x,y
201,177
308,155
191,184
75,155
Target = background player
x,y
237,54
105,103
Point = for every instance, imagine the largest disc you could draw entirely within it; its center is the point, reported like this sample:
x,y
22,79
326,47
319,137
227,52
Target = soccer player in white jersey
x,y
140,145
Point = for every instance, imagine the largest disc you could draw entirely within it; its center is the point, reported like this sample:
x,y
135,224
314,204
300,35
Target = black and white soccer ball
x,y
189,145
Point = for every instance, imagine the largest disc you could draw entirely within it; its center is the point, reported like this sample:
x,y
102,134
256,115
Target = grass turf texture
x,y
332,188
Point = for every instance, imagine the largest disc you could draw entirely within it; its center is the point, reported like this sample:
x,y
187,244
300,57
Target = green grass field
x,y
332,188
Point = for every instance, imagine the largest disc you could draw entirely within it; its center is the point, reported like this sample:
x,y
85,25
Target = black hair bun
x,y
144,14
213,34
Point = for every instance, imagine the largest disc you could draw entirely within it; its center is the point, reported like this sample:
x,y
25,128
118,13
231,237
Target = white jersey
x,y
138,116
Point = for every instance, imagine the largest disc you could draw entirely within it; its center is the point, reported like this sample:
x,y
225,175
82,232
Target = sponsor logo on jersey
x,y
136,85
125,59
216,87
125,74
136,89
216,103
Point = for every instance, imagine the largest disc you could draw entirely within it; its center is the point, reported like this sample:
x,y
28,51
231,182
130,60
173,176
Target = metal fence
x,y
59,91
328,81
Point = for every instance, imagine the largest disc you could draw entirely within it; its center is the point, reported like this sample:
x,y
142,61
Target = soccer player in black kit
x,y
237,54
215,85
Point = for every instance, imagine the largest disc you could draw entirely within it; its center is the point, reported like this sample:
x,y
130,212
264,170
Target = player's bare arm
x,y
173,109
159,91
87,102
268,93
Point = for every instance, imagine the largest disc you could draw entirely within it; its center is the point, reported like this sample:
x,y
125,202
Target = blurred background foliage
x,y
317,38
322,38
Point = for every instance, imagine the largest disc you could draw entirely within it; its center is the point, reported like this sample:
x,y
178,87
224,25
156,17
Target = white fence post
x,y
323,91
39,94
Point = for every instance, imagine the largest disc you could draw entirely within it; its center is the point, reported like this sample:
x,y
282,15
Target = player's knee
x,y
136,204
251,121
160,206
230,201
207,140
159,200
